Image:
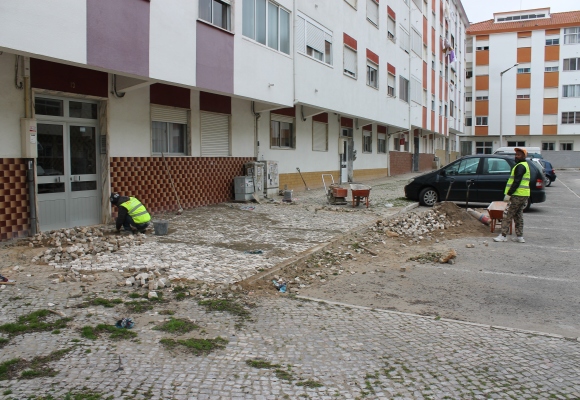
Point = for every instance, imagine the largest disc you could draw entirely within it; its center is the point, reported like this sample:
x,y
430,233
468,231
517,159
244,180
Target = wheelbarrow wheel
x,y
428,197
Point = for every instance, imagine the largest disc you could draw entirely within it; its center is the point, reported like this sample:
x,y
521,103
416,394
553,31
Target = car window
x,y
463,167
496,166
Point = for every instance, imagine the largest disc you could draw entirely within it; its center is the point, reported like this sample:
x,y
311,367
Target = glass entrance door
x,y
67,164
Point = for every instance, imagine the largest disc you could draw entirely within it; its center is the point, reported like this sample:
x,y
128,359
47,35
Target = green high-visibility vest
x,y
137,211
524,188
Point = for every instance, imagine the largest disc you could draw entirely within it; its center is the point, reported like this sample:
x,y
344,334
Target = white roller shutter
x,y
381,136
300,35
169,114
373,11
215,135
315,37
319,136
281,118
350,60
404,42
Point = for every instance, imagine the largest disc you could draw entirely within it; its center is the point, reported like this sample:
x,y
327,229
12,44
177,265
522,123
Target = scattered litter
x,y
125,323
254,252
3,279
50,304
470,246
449,258
247,208
388,205
280,285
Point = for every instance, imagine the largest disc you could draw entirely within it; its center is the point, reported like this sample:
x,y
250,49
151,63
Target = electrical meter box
x,y
29,137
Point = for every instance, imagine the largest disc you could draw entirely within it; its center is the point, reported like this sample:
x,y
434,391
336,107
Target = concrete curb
x,y
307,253
491,327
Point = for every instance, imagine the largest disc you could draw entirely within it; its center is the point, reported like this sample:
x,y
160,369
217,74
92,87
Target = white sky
x,y
482,10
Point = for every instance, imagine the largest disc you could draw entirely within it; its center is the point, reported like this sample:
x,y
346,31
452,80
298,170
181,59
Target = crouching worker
x,y
132,214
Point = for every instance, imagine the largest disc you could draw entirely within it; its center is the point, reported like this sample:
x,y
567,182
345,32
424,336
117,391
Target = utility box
x,y
29,137
243,188
255,170
271,178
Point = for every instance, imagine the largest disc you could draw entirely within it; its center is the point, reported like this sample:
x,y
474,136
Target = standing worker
x,y
517,195
133,215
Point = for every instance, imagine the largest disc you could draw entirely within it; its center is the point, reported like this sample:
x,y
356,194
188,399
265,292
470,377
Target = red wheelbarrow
x,y
360,192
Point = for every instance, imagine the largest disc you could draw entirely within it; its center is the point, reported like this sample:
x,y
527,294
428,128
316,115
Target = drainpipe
x,y
256,138
409,89
31,170
388,137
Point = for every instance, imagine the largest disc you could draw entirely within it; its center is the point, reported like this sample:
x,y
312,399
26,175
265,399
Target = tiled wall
x,y
370,174
199,181
401,162
426,162
13,198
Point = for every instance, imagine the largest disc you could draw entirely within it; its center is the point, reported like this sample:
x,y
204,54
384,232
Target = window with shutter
x,y
416,90
282,132
313,39
319,136
351,2
168,130
404,39
417,43
391,29
403,89
215,135
367,140
373,12
391,82
350,58
382,143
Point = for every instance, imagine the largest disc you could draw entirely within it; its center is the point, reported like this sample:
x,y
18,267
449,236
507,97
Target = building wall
x,y
11,108
14,210
401,162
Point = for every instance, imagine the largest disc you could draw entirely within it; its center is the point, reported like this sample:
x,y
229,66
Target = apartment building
x,y
103,95
523,83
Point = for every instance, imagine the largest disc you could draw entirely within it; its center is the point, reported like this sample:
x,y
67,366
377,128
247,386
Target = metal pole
x,y
500,109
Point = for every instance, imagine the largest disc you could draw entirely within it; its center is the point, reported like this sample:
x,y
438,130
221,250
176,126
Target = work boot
x,y
500,238
519,239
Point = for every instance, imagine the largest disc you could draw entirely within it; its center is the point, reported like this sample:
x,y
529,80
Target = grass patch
x,y
3,342
177,326
261,364
115,333
99,301
180,289
226,305
431,257
166,312
180,296
56,332
135,295
35,368
33,322
7,392
283,375
309,384
195,346
138,307
85,395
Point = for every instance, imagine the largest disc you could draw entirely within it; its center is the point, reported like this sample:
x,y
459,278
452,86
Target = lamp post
x,y
500,102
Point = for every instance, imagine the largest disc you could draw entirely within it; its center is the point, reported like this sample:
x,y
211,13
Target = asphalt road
x,y
533,286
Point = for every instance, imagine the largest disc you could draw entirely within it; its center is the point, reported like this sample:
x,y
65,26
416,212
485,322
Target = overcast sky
x,y
482,10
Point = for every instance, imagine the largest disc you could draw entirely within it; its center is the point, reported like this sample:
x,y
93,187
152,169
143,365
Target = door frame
x,y
66,122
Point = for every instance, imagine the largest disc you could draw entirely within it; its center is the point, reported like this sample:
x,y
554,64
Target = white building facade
x,y
128,96
535,102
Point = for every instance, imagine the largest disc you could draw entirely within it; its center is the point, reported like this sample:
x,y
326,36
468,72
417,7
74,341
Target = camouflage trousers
x,y
514,211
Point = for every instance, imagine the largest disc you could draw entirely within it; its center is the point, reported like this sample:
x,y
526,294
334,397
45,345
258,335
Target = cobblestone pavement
x,y
320,350
334,351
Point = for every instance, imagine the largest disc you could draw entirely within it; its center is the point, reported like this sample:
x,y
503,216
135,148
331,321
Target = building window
x,y
571,35
451,108
551,69
391,29
216,13
403,89
432,102
468,121
468,97
350,62
433,62
572,64
391,82
516,144
482,48
282,132
404,39
572,117
483,147
373,12
367,140
352,3
416,90
169,130
266,23
468,74
566,146
416,42
481,121
481,98
381,143
548,146
319,136
552,42
313,40
524,70
522,96
372,75
571,91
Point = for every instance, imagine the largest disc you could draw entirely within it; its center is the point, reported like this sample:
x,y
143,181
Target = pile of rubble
x,y
82,242
151,280
415,225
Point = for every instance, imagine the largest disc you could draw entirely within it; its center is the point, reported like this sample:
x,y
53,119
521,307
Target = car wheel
x,y
428,197
528,205
549,182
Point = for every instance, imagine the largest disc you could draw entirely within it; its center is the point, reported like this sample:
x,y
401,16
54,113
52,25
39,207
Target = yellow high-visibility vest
x,y
137,211
524,188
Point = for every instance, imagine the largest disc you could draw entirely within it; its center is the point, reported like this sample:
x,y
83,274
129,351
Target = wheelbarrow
x,y
496,210
360,192
335,194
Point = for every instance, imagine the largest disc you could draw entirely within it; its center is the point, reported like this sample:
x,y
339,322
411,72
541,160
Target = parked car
x,y
487,175
548,171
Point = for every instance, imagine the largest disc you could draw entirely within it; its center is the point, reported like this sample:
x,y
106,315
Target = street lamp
x,y
500,102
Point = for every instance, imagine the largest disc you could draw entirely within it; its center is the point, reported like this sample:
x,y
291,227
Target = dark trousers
x,y
128,223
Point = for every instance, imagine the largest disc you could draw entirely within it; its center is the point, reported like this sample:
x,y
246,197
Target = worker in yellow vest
x,y
132,216
517,194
